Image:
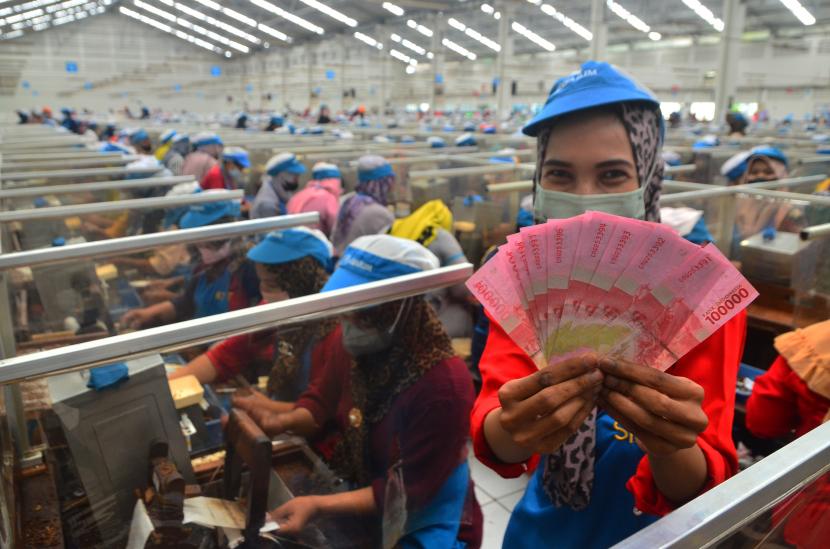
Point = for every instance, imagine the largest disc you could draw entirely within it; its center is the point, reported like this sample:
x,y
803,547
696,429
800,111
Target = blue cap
x,y
378,257
469,127
138,136
40,202
206,138
436,142
292,244
502,160
200,215
384,170
110,146
277,120
407,139
323,170
595,84
465,140
770,152
489,129
284,162
706,142
449,128
167,136
237,155
736,166
58,241
316,130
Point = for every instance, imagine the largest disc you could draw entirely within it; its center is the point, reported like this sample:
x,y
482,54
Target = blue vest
x,y
608,519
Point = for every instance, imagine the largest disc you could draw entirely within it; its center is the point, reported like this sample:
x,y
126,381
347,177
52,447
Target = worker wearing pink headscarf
x,y
321,195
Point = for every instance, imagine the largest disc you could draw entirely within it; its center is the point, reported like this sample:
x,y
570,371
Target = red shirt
x,y
713,364
215,179
235,354
426,426
781,403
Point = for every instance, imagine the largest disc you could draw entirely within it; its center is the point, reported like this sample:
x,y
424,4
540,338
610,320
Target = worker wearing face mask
x,y
207,148
174,157
400,400
290,263
605,464
753,215
229,174
224,279
280,182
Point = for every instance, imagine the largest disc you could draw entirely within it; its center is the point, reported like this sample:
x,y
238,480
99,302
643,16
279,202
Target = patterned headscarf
x,y
568,473
378,379
366,193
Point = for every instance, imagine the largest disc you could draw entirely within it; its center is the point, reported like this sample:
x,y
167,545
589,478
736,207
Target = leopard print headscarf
x,y
568,474
304,276
378,379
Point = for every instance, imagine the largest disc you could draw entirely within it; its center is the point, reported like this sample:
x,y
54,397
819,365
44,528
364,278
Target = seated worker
x,y
274,123
140,141
224,280
165,142
430,226
174,158
207,148
290,263
280,182
322,195
753,215
402,405
793,397
366,211
229,174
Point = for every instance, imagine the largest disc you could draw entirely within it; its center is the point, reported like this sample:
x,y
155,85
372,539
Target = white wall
x,y
122,56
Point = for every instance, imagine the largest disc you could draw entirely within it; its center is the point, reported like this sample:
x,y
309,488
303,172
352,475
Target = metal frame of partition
x,y
202,330
73,174
87,162
144,242
726,508
118,205
116,185
34,157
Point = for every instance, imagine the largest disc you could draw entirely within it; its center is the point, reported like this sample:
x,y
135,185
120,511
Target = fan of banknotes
x,y
617,286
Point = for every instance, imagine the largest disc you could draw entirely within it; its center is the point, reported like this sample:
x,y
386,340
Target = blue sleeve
x,y
700,233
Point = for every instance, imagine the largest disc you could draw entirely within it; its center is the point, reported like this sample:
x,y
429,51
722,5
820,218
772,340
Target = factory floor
x,y
497,497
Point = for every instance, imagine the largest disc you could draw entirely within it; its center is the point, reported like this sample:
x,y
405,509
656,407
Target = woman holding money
x,y
612,446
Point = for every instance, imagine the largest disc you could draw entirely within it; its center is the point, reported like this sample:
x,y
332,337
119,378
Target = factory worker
x,y
737,123
366,211
140,140
613,446
165,142
321,195
274,123
290,263
431,226
753,215
207,148
401,402
735,167
465,140
793,396
229,174
242,121
280,182
174,157
224,279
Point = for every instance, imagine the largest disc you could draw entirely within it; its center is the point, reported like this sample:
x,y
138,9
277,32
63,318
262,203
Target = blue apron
x,y
437,524
608,519
212,297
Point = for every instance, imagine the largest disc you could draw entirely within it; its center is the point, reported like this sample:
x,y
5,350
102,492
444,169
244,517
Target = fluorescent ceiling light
x,y
334,14
368,40
420,28
410,69
705,13
488,9
800,12
460,50
392,8
569,23
630,18
654,35
532,36
192,26
218,24
168,29
474,34
299,21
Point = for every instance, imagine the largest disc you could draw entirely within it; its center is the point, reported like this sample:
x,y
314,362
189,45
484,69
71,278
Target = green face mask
x,y
558,205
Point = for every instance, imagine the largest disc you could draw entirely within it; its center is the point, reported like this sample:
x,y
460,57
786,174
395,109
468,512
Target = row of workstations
x,y
71,473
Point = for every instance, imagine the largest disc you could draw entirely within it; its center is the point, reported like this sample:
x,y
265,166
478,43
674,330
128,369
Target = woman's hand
x,y
541,411
135,318
663,411
295,514
250,400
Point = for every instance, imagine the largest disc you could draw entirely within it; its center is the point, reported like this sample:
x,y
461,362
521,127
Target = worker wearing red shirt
x,y
290,263
230,173
612,446
793,396
401,406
